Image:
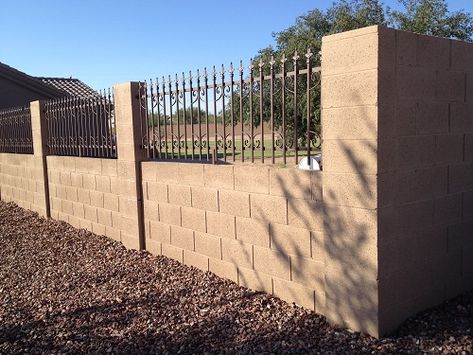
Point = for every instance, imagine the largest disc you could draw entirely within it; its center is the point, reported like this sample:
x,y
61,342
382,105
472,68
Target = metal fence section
x,y
83,127
268,112
15,130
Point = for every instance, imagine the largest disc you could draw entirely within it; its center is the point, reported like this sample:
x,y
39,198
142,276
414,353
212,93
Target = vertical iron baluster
x,y
295,59
214,82
241,113
223,116
160,135
184,113
176,85
271,63
109,123
104,123
252,131
113,125
199,115
170,116
283,105
96,125
232,110
261,113
191,95
309,72
151,139
207,130
165,119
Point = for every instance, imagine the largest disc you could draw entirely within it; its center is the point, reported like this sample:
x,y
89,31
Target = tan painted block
x,y
272,262
351,34
83,196
98,229
123,187
467,204
252,231
219,176
110,202
433,52
96,199
406,48
126,169
173,252
460,116
160,232
223,269
255,280
351,54
151,210
128,207
128,226
234,202
182,237
237,252
148,170
88,181
196,260
157,191
180,195
317,246
306,214
308,272
422,184
71,193
76,179
170,214
103,183
79,211
90,213
87,225
350,222
65,178
193,218
462,56
358,123
350,156
113,233
109,167
468,148
416,151
252,178
350,89
63,217
130,241
220,224
55,204
67,207
432,118
104,217
167,173
450,85
191,174
205,198
153,247
74,221
208,245
351,190
269,208
460,178
290,240
415,83
293,293
449,148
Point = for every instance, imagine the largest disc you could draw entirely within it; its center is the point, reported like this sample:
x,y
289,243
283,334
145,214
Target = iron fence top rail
x,y
15,130
82,126
275,105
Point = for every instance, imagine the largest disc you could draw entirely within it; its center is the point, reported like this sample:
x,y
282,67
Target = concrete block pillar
x,y
350,111
38,127
127,116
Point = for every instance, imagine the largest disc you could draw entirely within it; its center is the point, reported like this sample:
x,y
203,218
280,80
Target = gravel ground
x,y
64,290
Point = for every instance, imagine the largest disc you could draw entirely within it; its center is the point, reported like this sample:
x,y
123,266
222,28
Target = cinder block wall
x,y
21,177
259,226
85,193
426,220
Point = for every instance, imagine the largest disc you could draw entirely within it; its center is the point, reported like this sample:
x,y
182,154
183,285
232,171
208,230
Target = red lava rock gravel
x,y
64,290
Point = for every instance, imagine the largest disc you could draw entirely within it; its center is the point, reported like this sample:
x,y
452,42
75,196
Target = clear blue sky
x,y
104,42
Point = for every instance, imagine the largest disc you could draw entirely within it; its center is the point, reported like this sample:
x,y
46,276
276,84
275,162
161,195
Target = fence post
x,y
129,155
38,128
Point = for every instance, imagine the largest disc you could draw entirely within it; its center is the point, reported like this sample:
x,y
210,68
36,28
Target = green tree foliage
x,y
430,17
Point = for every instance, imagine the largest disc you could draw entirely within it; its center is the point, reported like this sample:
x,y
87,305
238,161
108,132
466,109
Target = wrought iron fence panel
x,y
268,112
82,126
15,130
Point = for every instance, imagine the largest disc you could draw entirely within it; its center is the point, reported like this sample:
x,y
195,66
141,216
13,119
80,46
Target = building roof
x,y
50,87
72,87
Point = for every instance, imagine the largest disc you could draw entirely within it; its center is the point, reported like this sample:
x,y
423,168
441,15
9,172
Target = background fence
x,y
15,130
83,127
267,112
